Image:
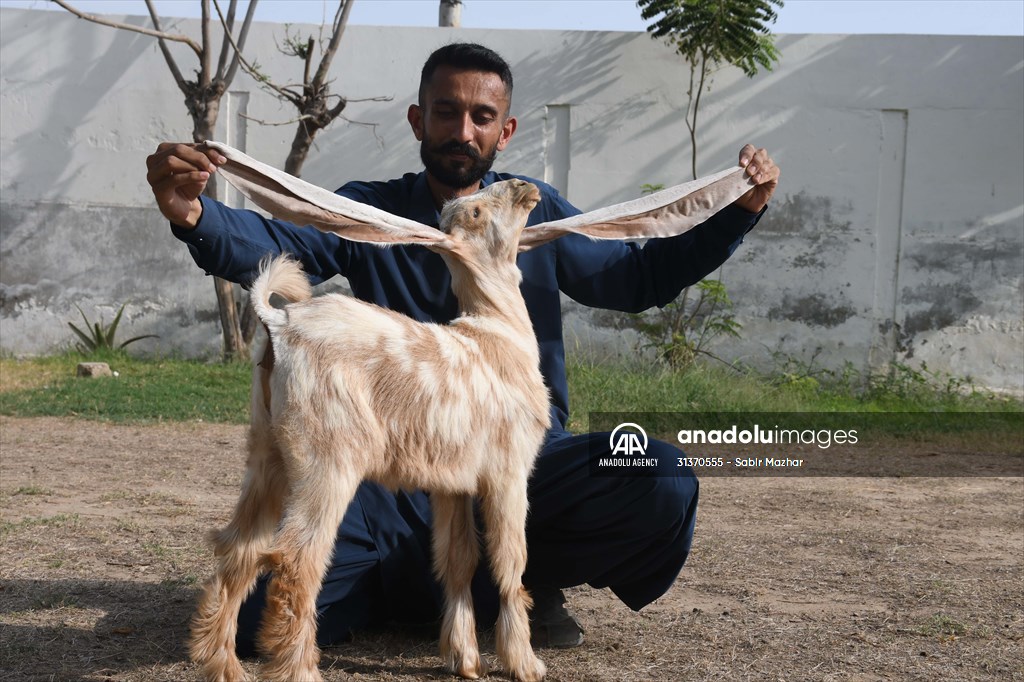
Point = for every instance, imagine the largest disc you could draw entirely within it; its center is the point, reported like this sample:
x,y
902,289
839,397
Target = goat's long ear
x,y
662,214
286,197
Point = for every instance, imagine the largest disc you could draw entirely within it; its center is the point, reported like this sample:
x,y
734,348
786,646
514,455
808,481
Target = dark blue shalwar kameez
x,y
628,534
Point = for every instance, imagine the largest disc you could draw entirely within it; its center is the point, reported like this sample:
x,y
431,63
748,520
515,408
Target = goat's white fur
x,y
358,392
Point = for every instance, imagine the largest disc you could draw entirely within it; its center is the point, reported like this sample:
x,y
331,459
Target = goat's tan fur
x,y
357,393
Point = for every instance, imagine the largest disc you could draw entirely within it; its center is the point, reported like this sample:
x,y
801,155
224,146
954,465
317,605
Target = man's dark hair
x,y
468,56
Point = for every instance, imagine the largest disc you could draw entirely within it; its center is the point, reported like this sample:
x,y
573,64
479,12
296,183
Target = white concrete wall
x,y
898,231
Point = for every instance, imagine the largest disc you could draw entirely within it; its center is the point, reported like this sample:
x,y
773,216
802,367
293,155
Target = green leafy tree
x,y
709,34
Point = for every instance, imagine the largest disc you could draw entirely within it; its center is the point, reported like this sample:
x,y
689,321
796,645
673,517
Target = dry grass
x,y
16,375
102,552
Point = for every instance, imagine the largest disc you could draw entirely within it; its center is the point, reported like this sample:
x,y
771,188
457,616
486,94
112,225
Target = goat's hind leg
x,y
456,554
238,548
504,507
298,561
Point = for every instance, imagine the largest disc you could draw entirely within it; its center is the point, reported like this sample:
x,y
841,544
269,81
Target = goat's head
x,y
487,224
492,213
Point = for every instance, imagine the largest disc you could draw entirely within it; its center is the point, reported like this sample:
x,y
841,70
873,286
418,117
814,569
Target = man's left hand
x,y
763,171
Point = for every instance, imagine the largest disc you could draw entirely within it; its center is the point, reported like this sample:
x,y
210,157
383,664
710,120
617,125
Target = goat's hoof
x,y
229,670
531,671
470,666
272,674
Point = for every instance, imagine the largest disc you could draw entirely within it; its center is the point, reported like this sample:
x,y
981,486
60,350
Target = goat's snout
x,y
521,192
529,194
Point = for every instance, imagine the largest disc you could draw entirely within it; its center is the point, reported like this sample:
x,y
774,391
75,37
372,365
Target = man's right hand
x,y
177,174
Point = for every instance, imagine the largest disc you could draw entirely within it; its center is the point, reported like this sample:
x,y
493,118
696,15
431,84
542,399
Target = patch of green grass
x,y
156,549
128,526
32,490
186,580
597,387
144,390
941,625
603,395
56,521
148,391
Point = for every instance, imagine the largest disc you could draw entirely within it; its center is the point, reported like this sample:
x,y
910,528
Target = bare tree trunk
x,y
235,347
204,112
316,118
449,13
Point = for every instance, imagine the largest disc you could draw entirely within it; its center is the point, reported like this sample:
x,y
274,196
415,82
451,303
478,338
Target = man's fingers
x,y
767,171
763,173
172,165
176,180
746,154
177,173
213,154
190,154
759,165
175,194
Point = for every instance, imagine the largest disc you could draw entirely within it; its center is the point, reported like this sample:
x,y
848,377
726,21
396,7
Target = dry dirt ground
x,y
102,553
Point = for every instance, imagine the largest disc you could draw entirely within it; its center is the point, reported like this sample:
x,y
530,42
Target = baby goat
x,y
356,392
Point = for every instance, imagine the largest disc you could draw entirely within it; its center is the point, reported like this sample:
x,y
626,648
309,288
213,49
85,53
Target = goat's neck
x,y
491,291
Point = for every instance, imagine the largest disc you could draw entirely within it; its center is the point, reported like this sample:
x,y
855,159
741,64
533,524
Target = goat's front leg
x,y
504,507
298,561
456,554
238,548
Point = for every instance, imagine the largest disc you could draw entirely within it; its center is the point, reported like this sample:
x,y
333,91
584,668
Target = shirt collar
x,y
421,204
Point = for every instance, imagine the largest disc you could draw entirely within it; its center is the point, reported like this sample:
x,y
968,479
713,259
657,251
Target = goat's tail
x,y
282,276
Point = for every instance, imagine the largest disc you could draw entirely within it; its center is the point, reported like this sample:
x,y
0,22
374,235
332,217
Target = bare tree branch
x,y
340,22
171,64
309,58
371,126
242,35
379,98
176,37
338,108
249,68
204,61
229,27
273,123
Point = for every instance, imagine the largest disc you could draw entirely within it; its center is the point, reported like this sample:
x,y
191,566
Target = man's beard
x,y
465,174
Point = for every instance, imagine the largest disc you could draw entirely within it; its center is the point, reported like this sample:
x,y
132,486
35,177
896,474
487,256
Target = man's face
x,y
462,125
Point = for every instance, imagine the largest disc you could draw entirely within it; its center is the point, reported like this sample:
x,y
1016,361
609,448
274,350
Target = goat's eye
x,y
476,212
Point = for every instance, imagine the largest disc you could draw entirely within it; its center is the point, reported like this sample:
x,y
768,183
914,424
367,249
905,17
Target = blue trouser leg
x,y
631,534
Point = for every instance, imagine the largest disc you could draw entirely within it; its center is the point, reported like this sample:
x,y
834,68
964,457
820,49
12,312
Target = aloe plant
x,y
99,338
